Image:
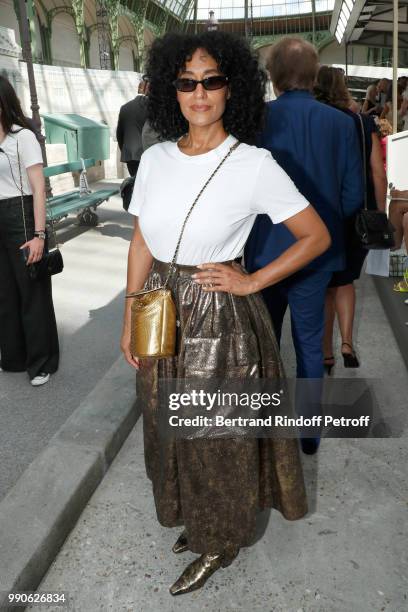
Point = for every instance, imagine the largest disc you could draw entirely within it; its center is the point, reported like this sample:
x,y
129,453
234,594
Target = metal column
x,y
246,19
28,58
314,22
102,21
395,68
195,16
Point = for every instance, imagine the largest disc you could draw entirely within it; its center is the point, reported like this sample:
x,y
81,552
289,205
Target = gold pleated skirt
x,y
215,487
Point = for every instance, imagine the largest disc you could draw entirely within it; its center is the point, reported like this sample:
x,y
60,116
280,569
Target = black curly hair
x,y
167,57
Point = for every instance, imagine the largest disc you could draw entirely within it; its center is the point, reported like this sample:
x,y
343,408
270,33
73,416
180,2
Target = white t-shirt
x,y
30,154
248,183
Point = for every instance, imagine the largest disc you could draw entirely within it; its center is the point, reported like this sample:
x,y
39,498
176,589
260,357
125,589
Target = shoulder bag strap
x,y
22,203
364,160
173,261
21,191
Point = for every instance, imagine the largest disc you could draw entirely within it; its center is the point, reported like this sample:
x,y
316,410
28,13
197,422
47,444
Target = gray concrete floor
x,y
347,555
88,299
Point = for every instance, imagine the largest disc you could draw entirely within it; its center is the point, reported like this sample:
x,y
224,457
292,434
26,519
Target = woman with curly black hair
x,y
246,85
206,102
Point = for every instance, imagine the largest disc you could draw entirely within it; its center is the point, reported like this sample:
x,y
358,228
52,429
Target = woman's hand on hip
x,y
224,277
36,246
125,348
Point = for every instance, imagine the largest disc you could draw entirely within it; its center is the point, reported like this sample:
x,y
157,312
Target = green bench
x,y
81,200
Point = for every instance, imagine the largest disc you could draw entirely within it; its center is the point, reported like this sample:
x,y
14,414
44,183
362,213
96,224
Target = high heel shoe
x,y
350,359
197,573
182,544
328,364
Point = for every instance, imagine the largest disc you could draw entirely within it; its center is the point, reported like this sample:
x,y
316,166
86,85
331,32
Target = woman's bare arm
x,y
370,97
403,108
312,239
378,173
365,106
385,111
139,263
37,184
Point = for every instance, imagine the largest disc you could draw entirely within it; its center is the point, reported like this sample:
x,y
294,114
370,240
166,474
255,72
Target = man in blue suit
x,y
318,148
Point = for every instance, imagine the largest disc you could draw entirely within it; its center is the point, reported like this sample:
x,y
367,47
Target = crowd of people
x,y
378,103
254,202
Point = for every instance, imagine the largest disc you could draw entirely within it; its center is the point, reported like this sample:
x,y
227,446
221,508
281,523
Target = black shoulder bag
x,y
51,261
372,227
126,191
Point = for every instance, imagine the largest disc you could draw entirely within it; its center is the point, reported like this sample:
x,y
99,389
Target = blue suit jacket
x,y
318,148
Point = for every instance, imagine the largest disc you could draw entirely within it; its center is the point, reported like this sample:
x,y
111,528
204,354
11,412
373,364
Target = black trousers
x,y
28,330
132,167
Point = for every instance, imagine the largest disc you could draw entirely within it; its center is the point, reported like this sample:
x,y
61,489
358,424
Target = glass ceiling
x,y
234,9
174,6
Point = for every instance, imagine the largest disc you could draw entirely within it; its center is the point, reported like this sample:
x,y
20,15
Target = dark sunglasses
x,y
210,83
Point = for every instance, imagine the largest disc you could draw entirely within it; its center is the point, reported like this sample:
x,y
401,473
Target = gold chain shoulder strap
x,y
173,261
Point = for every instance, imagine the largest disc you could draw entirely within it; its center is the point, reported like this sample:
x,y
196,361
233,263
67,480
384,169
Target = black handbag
x,y
373,229
126,190
51,262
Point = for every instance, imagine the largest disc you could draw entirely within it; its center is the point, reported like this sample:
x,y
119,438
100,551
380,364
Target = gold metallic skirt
x,y
214,487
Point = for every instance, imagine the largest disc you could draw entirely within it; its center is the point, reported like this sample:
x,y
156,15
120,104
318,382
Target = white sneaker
x,y
41,379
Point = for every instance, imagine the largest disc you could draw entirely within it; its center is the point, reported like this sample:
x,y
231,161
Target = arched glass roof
x,y
175,6
235,9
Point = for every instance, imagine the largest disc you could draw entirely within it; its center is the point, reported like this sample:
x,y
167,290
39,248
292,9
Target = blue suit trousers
x,y
304,293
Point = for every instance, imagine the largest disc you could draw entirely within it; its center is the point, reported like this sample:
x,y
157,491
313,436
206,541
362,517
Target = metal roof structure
x,y
381,24
366,22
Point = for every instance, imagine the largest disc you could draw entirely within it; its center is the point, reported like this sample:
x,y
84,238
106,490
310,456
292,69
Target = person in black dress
x,y
341,297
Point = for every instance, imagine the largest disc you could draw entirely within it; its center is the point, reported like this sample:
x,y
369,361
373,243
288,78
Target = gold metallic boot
x,y
197,573
182,544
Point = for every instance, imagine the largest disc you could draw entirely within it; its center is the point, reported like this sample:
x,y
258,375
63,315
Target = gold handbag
x,y
153,324
153,313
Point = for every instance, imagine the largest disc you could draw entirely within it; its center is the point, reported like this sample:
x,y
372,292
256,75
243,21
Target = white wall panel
x,y
125,57
8,17
65,41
